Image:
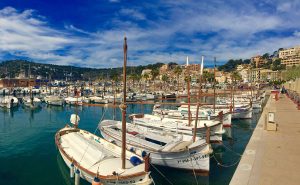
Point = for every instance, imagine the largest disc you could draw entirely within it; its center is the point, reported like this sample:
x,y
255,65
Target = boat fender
x,y
96,181
144,153
132,149
135,161
72,171
77,177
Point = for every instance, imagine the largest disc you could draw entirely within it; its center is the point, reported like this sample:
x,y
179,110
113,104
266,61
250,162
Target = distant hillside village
x,y
283,64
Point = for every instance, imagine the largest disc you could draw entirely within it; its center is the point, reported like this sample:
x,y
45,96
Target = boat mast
x,y
123,106
189,93
198,100
214,84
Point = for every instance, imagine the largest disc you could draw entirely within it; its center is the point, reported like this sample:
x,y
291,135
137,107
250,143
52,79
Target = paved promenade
x,y
272,158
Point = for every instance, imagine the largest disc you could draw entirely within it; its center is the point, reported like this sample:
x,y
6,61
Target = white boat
x,y
9,102
74,100
4,91
32,102
94,157
165,148
151,96
203,114
181,126
240,111
97,99
54,100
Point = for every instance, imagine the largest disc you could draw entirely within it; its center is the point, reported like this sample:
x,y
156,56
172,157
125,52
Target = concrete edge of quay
x,y
245,173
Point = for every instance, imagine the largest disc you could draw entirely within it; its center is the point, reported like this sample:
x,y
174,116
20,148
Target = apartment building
x,y
290,56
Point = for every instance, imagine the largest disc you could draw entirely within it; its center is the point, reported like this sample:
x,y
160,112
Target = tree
x,y
292,73
146,76
235,76
277,65
154,73
266,56
208,77
231,65
165,78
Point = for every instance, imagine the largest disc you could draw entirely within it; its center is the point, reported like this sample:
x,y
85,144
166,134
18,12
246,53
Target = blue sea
x,y
28,155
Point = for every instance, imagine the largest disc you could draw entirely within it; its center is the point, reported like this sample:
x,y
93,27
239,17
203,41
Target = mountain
x,y
12,68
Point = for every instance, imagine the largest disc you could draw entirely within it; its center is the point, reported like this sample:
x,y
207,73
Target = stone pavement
x,y
273,157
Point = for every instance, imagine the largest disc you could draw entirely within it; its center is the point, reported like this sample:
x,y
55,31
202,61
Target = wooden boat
x,y
32,102
96,157
74,100
9,102
165,148
181,126
97,99
182,113
54,100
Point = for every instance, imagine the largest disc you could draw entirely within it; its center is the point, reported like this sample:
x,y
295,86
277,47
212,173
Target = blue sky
x,y
90,33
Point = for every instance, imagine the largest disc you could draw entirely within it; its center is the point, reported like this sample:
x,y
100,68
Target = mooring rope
x,y
193,167
226,166
161,174
232,150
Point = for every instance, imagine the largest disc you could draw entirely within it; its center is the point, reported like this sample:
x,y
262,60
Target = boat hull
x,y
87,172
196,158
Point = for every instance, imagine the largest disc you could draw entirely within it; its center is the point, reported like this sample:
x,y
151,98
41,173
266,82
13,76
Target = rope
x,y
161,174
193,167
226,166
232,150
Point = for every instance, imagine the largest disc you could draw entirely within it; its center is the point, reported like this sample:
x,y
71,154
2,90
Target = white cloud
x,y
132,13
296,33
239,31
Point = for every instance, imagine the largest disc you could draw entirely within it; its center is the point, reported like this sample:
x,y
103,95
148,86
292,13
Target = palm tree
x,y
154,73
165,79
235,76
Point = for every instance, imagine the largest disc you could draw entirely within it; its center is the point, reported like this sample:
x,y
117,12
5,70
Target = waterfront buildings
x,y
257,61
263,75
290,56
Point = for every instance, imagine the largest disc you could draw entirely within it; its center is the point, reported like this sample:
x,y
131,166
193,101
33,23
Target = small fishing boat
x,y
54,100
97,99
9,102
74,100
182,113
95,157
32,102
165,148
181,126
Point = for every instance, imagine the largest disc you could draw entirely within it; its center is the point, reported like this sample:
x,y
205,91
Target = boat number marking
x,y
195,158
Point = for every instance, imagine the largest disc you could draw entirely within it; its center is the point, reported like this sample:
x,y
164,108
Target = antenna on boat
x,y
123,106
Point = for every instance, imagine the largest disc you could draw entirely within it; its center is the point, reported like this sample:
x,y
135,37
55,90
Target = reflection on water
x,y
28,153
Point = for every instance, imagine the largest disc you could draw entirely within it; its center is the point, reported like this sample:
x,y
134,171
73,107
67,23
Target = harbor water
x,y
28,155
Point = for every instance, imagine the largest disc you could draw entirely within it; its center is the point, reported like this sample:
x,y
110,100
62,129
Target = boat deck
x,y
90,155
